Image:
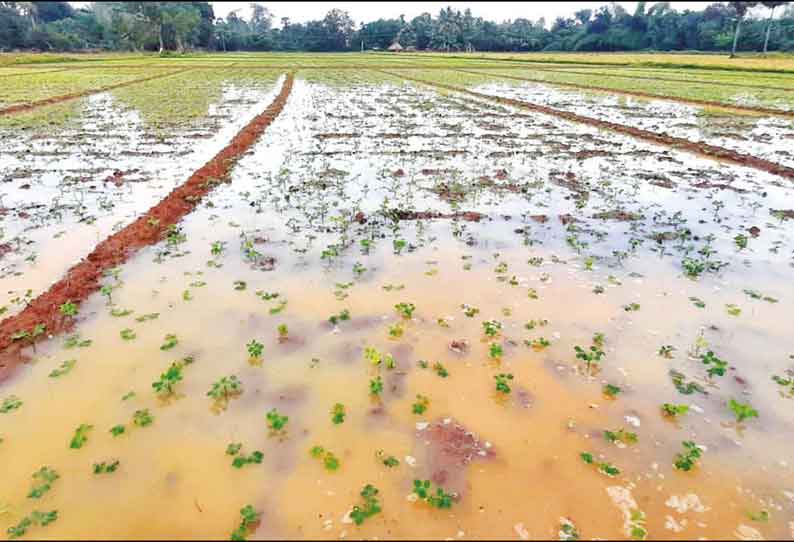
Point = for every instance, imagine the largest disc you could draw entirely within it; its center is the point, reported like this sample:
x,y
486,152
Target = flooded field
x,y
405,312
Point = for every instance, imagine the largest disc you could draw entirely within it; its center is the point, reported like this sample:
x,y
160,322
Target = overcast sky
x,y
300,12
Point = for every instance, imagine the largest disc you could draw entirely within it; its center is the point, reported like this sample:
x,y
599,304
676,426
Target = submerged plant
x,y
80,436
501,382
423,489
370,507
43,480
421,404
338,413
248,520
276,422
742,411
673,411
687,460
406,310
330,461
255,349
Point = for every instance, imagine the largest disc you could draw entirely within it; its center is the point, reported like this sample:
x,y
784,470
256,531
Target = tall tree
x,y
741,10
771,6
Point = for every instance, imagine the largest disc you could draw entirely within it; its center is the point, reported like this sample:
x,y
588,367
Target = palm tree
x,y
771,6
741,10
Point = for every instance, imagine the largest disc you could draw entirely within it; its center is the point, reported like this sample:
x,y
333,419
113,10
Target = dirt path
x,y
84,278
641,94
20,108
678,143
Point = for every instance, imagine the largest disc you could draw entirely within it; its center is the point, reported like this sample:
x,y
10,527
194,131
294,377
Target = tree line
x,y
180,26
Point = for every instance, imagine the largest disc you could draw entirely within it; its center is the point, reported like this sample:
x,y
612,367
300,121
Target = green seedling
x,y
631,307
717,366
389,461
148,317
12,402
248,521
225,389
330,461
687,460
370,507
501,382
605,468
255,349
119,313
673,411
611,391
421,404
495,351
376,386
276,422
396,331
686,388
283,332
742,411
338,413
666,351
440,370
142,418
65,367
621,435
80,436
68,309
491,328
591,357
240,460
341,317
164,387
469,311
128,334
106,468
42,482
169,342
35,518
437,499
117,430
406,310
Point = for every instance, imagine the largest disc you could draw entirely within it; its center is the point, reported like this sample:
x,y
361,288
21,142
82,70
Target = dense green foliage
x,y
57,26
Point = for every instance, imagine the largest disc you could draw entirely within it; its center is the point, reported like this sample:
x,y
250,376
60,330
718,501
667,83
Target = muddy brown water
x,y
297,204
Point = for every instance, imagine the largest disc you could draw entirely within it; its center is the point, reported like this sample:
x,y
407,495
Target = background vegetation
x,y
176,26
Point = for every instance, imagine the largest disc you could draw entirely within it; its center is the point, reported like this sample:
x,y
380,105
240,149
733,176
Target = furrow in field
x,y
19,108
678,143
84,278
641,94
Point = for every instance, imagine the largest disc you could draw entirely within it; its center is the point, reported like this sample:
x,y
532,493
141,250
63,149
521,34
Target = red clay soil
x,y
20,108
677,143
84,278
641,94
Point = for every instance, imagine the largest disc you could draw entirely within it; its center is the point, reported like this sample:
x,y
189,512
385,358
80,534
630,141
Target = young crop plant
x,y
568,530
591,357
539,344
169,341
68,309
495,351
440,370
716,365
283,333
42,480
249,518
80,436
343,316
742,411
491,328
117,430
666,351
406,310
105,467
128,334
421,404
687,460
338,414
35,518
142,418
611,391
376,386
330,461
396,331
469,311
631,307
370,507
670,410
225,389
501,382
164,387
388,460
240,459
605,468
423,489
684,387
276,422
622,436
255,349
65,368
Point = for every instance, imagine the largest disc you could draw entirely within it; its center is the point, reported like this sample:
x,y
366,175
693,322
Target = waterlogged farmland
x,y
392,308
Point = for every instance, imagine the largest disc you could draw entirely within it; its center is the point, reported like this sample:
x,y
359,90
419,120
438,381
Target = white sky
x,y
300,12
